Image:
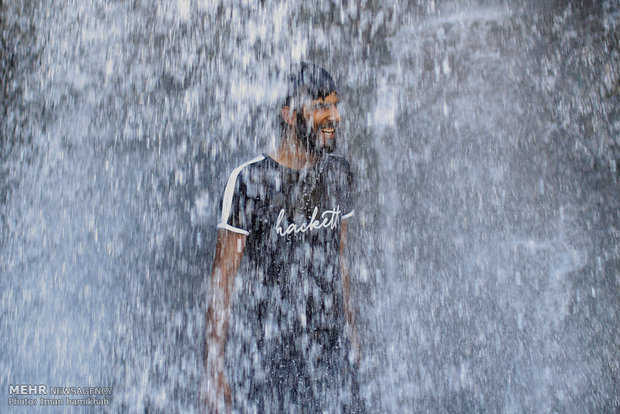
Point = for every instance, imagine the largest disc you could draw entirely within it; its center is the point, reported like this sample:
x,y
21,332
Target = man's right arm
x,y
215,391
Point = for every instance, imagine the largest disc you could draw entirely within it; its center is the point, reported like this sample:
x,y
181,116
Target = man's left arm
x,y
346,290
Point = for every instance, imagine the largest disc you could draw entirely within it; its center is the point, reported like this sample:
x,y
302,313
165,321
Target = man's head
x,y
310,109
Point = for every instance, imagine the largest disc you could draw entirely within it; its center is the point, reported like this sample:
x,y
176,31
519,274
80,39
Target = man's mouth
x,y
328,131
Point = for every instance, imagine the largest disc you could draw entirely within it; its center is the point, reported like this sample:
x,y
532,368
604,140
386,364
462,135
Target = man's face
x,y
317,124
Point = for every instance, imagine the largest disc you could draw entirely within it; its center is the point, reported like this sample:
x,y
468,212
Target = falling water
x,y
486,140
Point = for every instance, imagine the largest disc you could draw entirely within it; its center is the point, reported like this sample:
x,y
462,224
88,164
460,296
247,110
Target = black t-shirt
x,y
292,219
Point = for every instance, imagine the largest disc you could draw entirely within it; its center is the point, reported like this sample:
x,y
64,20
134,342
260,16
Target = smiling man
x,y
283,218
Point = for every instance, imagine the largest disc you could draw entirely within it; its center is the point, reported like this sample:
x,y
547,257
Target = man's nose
x,y
334,115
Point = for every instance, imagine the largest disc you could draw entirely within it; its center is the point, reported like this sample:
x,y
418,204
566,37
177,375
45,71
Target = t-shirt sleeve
x,y
232,213
348,194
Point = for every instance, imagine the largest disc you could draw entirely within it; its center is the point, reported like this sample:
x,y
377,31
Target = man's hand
x,y
356,353
355,346
215,395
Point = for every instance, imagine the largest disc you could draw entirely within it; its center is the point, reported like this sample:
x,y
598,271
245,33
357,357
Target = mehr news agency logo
x,y
30,395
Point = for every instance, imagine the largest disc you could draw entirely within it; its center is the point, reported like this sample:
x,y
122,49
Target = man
x,y
285,214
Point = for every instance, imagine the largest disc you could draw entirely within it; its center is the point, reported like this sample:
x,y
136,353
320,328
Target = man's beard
x,y
311,139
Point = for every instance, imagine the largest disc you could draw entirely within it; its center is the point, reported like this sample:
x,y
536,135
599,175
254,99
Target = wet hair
x,y
310,80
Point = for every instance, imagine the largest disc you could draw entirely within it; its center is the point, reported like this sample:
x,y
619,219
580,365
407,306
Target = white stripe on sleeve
x,y
233,229
351,214
229,193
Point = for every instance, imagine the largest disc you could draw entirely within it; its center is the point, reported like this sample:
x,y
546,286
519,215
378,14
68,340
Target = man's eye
x,y
324,106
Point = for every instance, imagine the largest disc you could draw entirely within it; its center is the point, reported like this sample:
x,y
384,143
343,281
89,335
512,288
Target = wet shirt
x,y
292,219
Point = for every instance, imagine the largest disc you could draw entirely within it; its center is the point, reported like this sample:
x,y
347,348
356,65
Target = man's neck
x,y
292,154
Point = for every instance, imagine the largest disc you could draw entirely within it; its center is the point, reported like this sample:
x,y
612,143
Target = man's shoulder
x,y
257,162
246,171
337,158
339,163
252,163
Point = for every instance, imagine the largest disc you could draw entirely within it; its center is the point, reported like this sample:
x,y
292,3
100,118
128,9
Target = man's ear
x,y
288,115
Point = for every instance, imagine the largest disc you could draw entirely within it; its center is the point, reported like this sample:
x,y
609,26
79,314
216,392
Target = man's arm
x,y
346,291
215,391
